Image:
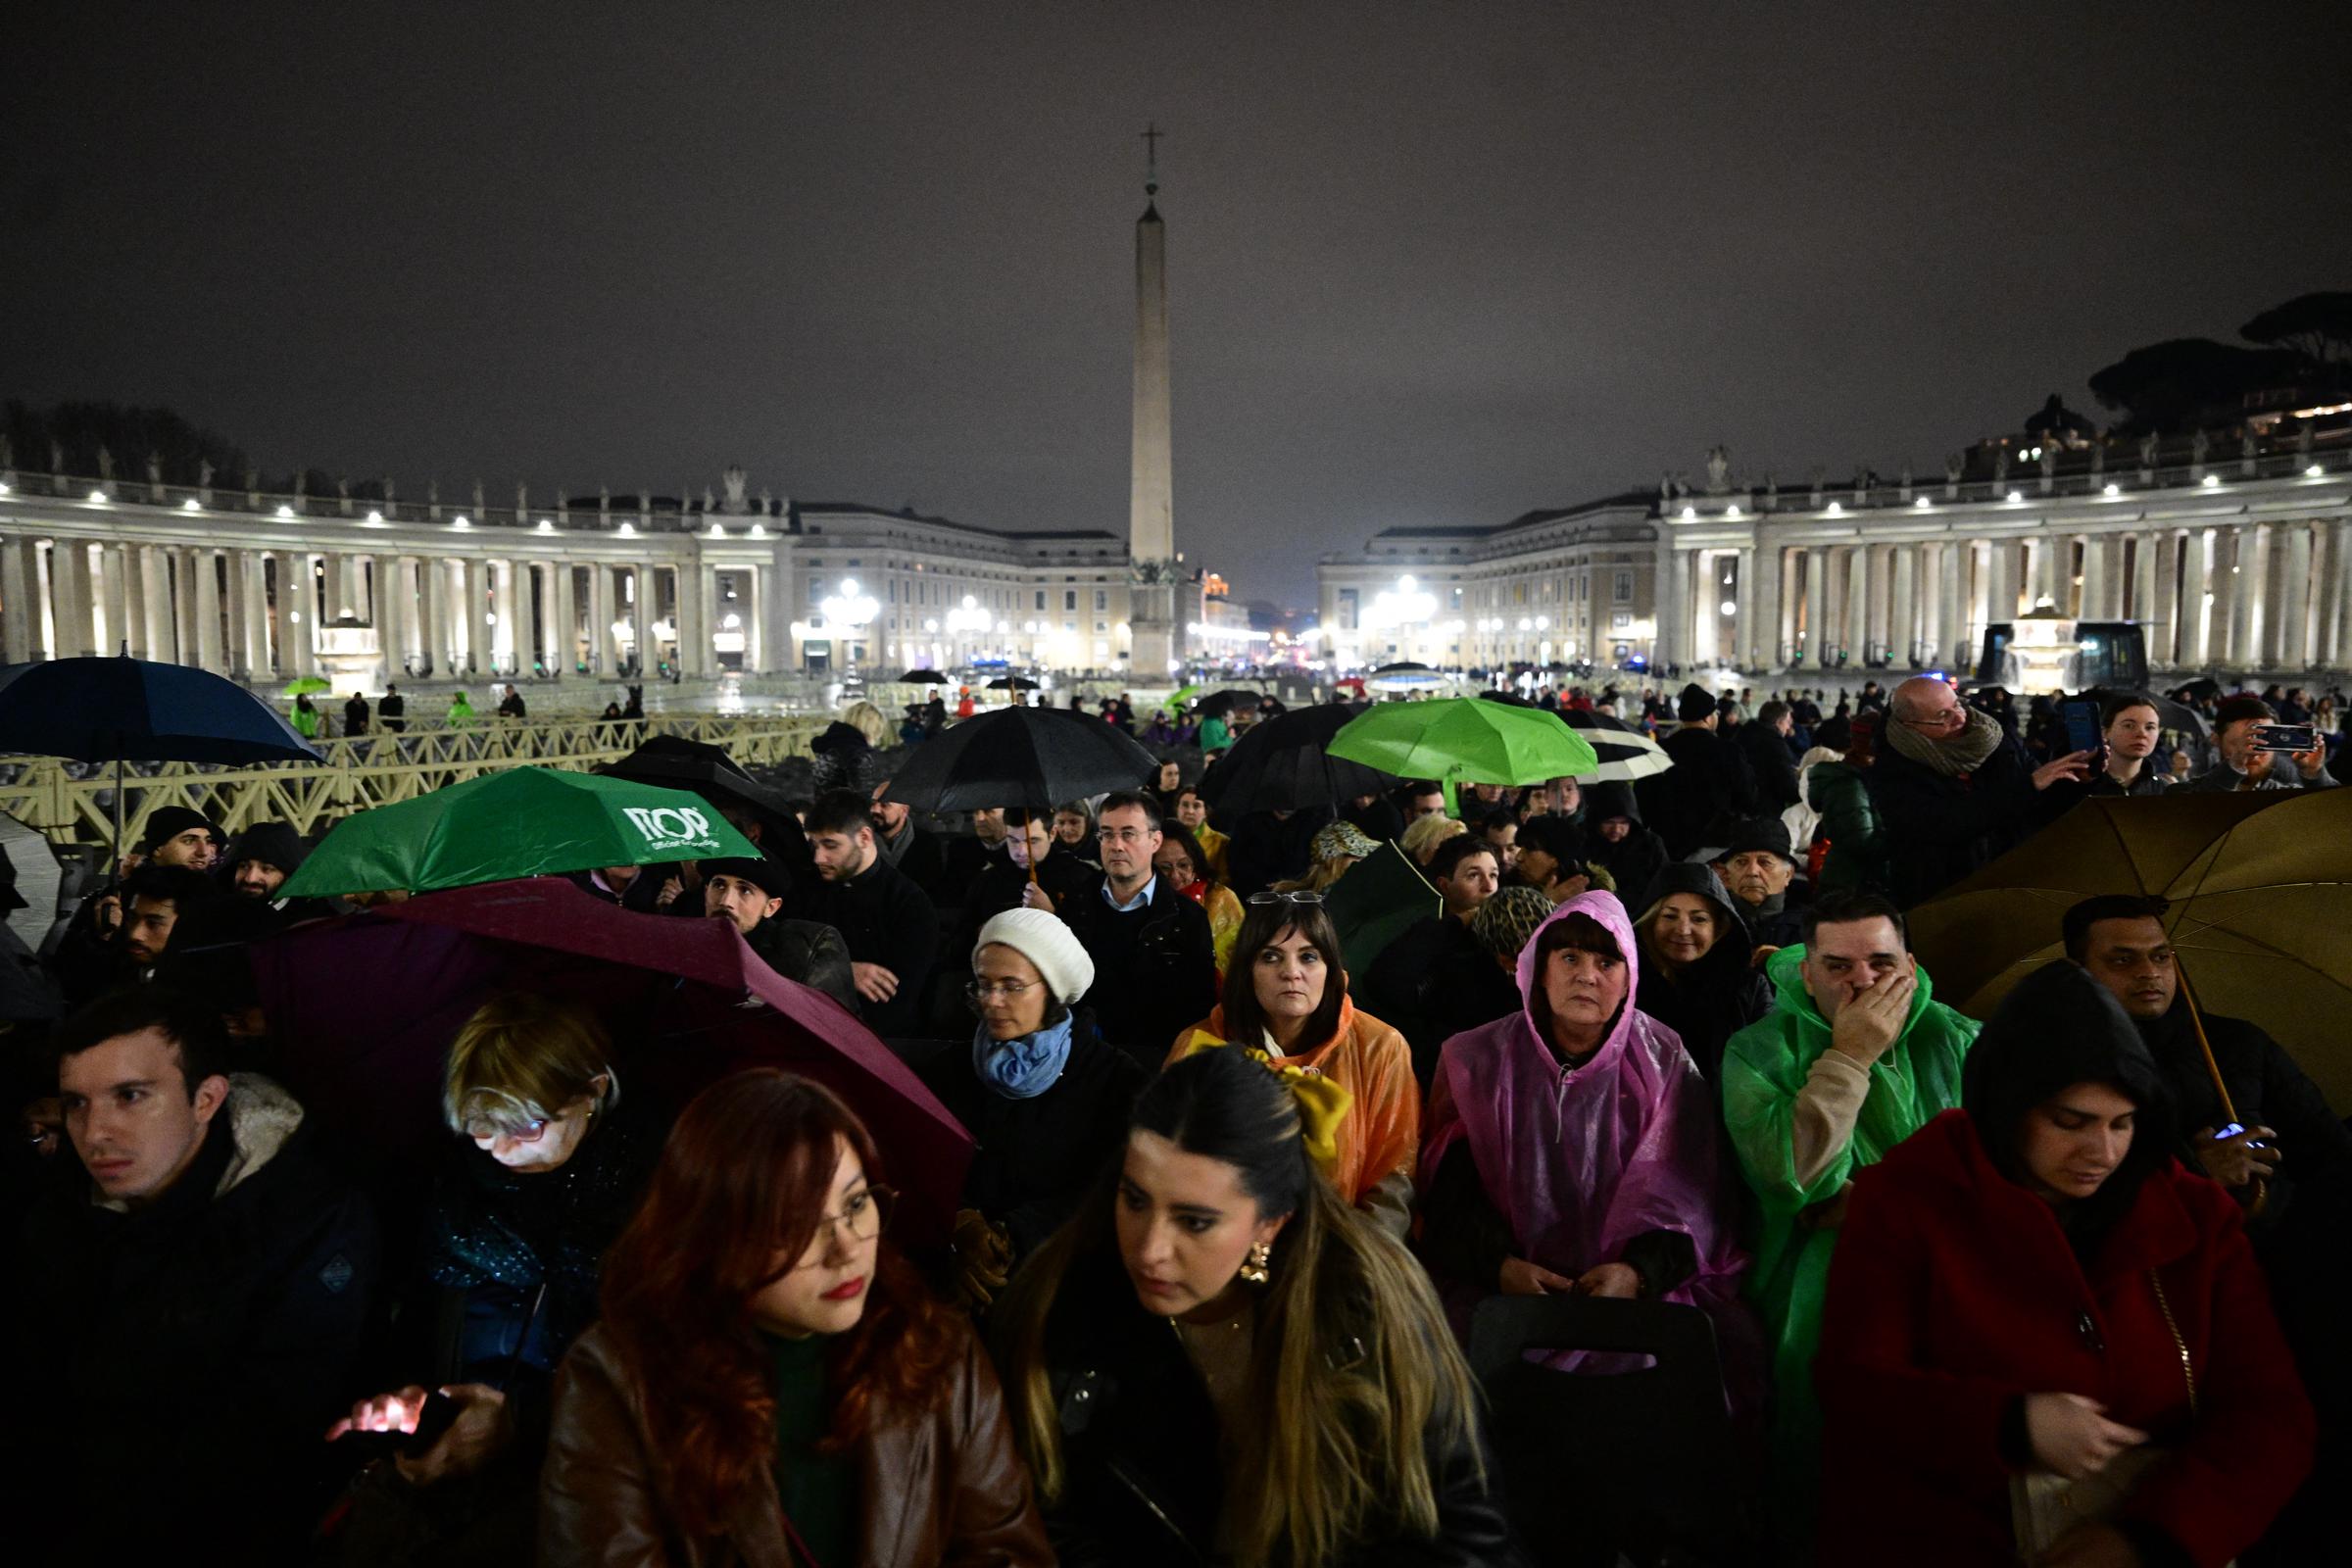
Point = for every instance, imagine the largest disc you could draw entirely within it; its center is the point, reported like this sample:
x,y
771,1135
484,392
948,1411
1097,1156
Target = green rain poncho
x,y
1764,1068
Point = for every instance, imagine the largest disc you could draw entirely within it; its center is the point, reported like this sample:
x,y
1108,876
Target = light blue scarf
x,y
1025,1066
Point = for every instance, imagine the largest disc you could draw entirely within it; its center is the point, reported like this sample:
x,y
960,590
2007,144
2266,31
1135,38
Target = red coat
x,y
1954,1292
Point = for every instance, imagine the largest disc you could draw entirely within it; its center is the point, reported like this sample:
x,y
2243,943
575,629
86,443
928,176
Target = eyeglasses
x,y
1286,898
861,1219
529,1132
1009,990
1124,835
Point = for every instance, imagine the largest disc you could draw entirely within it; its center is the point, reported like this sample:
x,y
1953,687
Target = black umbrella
x,y
924,677
1225,702
1511,698
1403,668
1029,758
1624,751
672,761
1012,683
1283,764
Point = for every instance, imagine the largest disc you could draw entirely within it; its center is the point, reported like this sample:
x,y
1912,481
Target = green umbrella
x,y
1375,902
306,685
523,822
1460,740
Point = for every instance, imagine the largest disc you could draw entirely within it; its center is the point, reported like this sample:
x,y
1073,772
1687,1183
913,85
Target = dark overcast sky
x,y
1433,262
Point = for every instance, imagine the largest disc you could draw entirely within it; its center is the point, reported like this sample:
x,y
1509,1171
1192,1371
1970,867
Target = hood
x,y
2056,1027
1605,910
1732,949
259,1119
1790,995
1612,798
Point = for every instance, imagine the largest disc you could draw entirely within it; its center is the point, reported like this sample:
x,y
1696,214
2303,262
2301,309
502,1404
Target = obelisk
x,y
1155,638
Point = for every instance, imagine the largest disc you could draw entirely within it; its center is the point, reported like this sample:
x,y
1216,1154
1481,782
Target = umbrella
x,y
1012,683
923,677
1226,701
135,710
1625,752
685,1002
1375,902
1460,740
672,761
2261,890
34,874
1021,757
524,821
1285,763
308,685
1405,677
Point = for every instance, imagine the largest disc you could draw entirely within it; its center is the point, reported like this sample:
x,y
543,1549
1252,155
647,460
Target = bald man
x,y
1953,788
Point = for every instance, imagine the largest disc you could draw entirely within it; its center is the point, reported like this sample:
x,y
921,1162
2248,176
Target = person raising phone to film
x,y
2250,740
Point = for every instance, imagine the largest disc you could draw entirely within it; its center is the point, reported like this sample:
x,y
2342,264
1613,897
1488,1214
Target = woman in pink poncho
x,y
1571,1146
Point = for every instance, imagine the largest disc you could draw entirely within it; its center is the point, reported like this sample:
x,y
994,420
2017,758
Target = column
x,y
70,593
401,594
433,571
1817,604
1958,558
185,566
2147,555
257,613
19,610
755,622
600,640
2246,578
500,577
155,602
113,601
1902,634
527,658
562,620
2297,599
2339,596
702,659
1755,615
206,567
474,581
641,616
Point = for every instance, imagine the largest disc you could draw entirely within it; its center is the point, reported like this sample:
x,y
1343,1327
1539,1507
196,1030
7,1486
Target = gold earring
x,y
1253,1267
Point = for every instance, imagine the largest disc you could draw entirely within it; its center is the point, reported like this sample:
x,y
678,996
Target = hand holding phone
x,y
2287,738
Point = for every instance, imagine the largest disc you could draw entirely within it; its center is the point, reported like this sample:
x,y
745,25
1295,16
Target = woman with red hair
x,y
771,1382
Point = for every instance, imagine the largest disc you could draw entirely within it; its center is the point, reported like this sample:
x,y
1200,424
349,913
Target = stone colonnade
x,y
267,614
2249,594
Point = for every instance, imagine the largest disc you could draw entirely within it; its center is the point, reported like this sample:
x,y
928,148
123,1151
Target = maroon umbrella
x,y
364,1008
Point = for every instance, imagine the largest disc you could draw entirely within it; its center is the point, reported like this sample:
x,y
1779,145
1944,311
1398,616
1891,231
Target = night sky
x,y
1429,264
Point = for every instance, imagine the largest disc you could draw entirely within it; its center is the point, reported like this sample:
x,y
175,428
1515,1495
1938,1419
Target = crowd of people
x,y
1980,1290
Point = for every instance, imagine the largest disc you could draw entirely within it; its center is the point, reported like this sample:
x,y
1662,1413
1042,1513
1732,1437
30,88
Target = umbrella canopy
x,y
1406,678
1012,683
308,685
33,876
135,710
2261,918
1285,763
1460,740
672,761
685,1002
1020,757
1226,701
923,677
524,821
1374,903
1625,752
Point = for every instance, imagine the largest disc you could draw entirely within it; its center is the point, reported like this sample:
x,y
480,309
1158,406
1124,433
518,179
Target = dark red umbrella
x,y
364,1008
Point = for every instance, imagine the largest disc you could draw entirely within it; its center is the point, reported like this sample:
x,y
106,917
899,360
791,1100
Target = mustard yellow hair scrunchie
x,y
1322,1103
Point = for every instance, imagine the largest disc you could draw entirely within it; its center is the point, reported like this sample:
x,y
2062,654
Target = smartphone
x,y
431,1423
2081,717
2285,737
2225,1133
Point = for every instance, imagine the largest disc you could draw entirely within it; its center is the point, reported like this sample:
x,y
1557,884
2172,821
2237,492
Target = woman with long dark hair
x,y
771,1382
1286,1002
2044,1338
1219,1360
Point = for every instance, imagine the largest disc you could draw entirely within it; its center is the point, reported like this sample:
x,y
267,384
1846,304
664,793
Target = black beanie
x,y
1696,704
274,843
167,822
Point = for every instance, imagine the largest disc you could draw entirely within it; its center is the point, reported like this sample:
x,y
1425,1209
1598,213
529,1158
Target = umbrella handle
x,y
2196,1019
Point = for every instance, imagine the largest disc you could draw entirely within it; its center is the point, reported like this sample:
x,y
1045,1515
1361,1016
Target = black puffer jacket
x,y
1722,993
1143,1485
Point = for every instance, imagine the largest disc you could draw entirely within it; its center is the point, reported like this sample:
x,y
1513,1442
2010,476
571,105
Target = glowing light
x,y
1923,504
190,505
2016,496
547,525
1729,607
2114,490
1688,512
460,521
731,624
2312,472
2213,481
628,530
1731,512
717,533
98,497
1837,509
286,511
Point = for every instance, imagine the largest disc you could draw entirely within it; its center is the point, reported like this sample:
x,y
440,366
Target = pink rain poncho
x,y
1580,1161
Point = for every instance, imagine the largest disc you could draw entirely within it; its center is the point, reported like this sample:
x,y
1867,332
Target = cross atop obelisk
x,y
1151,519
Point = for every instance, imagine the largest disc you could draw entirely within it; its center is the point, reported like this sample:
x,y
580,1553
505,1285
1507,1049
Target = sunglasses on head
x,y
1286,898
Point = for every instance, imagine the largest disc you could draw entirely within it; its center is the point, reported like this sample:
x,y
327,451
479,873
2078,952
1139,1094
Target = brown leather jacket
x,y
937,1484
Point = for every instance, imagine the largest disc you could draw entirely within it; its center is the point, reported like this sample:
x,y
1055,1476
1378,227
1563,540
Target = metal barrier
x,y
366,770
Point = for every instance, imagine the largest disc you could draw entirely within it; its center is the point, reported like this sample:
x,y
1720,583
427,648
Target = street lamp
x,y
851,609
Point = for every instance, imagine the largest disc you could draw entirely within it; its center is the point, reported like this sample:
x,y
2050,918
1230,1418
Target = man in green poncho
x,y
1855,1058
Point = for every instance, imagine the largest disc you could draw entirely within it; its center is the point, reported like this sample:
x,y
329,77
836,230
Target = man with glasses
x,y
1953,788
1155,961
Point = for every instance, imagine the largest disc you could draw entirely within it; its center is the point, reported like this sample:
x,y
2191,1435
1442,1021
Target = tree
x,y
128,434
2185,381
2318,326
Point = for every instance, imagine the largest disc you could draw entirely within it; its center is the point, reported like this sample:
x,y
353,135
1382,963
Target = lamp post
x,y
852,611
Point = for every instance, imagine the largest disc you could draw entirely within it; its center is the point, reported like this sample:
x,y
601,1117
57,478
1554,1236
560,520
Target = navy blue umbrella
x,y
134,709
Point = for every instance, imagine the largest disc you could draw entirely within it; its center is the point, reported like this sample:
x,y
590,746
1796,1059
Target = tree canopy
x,y
2318,326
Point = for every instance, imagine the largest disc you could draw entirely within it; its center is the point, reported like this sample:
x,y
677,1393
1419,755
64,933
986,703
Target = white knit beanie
x,y
1041,939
